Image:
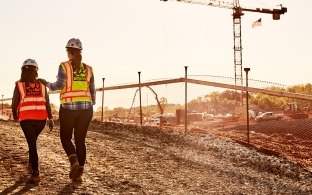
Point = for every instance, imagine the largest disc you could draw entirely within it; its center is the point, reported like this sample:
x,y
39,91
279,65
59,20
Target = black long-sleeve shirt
x,y
16,101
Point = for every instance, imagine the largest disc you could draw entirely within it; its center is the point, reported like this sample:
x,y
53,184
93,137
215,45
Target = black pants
x,y
32,129
76,121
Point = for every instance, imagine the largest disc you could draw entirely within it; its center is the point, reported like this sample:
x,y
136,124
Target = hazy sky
x,y
121,37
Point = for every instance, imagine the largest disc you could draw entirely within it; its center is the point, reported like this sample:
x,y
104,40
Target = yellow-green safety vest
x,y
76,88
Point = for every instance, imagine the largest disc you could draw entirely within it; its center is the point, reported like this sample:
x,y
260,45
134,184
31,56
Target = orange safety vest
x,y
32,105
76,88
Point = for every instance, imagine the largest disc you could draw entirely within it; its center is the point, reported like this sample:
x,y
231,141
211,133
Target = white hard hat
x,y
30,62
74,43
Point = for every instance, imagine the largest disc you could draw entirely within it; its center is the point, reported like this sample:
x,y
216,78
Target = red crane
x,y
237,13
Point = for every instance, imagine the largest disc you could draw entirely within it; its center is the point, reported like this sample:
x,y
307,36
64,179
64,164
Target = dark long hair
x,y
29,74
77,57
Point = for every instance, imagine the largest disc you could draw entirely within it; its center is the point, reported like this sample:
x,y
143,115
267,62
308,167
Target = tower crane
x,y
237,13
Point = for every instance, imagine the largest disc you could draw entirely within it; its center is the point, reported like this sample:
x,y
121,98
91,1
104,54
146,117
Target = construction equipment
x,y
293,111
237,13
161,110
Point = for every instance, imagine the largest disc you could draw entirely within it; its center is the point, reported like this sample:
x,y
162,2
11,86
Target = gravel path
x,y
126,159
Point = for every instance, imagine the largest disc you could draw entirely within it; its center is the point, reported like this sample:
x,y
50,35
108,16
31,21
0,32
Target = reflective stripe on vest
x,y
76,94
75,91
32,106
32,99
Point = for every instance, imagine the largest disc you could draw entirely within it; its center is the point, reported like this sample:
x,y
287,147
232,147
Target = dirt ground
x,y
127,159
289,138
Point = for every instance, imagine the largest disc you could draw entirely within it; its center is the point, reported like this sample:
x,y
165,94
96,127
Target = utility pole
x,y
102,115
247,103
141,120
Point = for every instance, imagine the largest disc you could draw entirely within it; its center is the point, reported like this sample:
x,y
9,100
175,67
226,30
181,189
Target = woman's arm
x,y
60,82
15,103
92,89
48,106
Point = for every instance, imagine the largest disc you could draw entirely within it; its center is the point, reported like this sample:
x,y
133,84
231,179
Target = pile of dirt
x,y
127,159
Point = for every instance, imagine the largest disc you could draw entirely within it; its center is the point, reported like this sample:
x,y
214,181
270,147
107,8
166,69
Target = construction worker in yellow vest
x,y
31,107
75,79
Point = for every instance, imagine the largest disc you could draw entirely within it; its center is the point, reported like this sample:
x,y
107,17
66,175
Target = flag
x,y
256,23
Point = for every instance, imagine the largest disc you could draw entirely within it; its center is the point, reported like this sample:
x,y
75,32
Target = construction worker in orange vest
x,y
75,79
31,107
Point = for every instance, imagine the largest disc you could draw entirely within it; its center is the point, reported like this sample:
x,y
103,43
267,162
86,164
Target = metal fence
x,y
278,119
269,116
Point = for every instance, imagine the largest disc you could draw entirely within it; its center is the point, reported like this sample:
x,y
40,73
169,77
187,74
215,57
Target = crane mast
x,y
237,32
237,36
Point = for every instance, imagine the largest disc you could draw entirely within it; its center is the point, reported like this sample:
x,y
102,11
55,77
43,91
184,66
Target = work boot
x,y
80,172
34,177
74,166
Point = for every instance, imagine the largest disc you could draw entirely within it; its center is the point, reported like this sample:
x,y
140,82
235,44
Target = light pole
x,y
102,115
141,120
247,104
185,114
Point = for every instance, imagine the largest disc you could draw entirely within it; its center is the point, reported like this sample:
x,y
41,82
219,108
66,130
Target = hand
x,y
51,124
43,81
